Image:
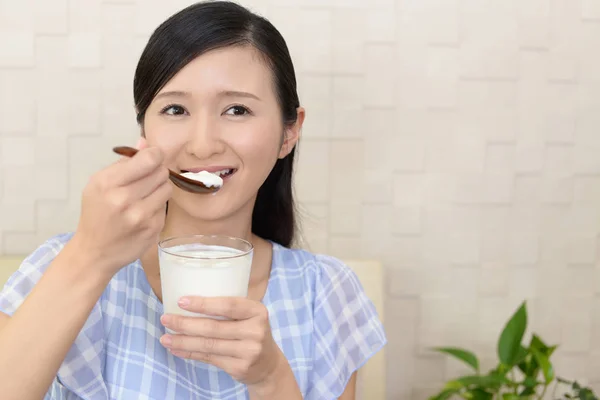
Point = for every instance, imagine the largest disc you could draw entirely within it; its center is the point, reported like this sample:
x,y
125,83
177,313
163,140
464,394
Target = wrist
x,y
280,383
84,266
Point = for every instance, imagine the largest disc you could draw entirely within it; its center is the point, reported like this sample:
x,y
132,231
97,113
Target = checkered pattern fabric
x,y
319,314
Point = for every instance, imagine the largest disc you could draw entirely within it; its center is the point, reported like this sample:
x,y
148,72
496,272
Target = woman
x,y
82,317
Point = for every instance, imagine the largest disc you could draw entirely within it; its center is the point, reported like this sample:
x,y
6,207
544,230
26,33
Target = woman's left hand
x,y
241,346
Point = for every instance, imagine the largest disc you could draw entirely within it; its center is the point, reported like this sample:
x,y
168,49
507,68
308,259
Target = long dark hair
x,y
206,26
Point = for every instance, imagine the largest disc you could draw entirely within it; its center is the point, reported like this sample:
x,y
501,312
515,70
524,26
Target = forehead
x,y
235,68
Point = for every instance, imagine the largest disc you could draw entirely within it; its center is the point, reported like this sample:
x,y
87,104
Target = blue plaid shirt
x,y
319,315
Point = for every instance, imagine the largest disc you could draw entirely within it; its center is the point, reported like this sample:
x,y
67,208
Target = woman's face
x,y
220,112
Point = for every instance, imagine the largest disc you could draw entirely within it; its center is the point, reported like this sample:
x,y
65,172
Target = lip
x,y
210,169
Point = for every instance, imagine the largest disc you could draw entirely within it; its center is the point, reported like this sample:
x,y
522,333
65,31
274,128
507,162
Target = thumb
x,y
141,144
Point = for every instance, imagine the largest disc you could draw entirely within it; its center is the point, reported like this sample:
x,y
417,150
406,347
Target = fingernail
x,y
165,319
184,302
166,340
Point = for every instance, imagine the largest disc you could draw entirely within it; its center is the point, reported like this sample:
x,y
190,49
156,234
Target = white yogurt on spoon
x,y
207,178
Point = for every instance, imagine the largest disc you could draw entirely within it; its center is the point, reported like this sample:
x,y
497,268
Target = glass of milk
x,y
203,265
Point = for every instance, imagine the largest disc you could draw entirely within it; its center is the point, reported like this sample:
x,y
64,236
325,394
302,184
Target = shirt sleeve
x,y
22,281
347,330
80,375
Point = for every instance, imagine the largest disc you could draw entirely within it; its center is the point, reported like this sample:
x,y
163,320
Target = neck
x,y
180,223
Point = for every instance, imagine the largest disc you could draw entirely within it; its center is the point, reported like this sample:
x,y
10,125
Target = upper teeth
x,y
222,172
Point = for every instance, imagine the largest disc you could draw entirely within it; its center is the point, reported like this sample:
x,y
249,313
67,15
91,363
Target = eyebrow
x,y
173,93
224,93
235,93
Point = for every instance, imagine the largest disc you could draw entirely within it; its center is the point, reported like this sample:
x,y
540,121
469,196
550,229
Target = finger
x,y
155,201
141,143
225,363
201,344
146,186
158,222
236,308
208,327
160,208
144,163
145,212
156,194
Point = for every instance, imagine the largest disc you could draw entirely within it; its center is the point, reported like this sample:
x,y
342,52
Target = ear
x,y
292,134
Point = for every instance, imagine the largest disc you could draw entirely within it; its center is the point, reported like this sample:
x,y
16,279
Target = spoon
x,y
180,181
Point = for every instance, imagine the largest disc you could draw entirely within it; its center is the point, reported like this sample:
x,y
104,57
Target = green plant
x,y
578,391
523,372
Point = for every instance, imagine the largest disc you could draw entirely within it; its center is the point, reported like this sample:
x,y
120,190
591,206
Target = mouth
x,y
223,173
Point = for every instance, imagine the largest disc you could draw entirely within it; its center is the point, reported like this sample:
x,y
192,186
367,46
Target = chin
x,y
204,207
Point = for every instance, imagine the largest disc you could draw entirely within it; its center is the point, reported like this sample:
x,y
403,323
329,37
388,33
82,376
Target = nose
x,y
204,139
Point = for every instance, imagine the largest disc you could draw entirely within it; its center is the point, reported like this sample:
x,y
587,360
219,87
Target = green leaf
x,y
521,355
523,366
527,392
453,385
533,368
538,344
510,396
445,394
501,369
545,364
463,355
530,382
478,394
590,395
509,344
489,381
586,394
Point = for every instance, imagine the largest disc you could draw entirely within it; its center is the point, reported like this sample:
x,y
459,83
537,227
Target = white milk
x,y
204,275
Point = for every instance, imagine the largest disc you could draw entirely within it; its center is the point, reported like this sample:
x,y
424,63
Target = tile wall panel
x,y
471,127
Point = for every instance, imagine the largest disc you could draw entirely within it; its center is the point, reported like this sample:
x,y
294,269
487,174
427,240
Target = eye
x,y
237,111
173,109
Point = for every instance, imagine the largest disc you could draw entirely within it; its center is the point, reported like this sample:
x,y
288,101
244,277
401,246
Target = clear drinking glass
x,y
203,265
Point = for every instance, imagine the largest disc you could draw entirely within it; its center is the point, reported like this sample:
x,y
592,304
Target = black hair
x,y
210,25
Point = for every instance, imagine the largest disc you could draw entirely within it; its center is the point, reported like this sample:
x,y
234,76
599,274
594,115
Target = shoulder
x,y
324,272
29,272
327,283
297,259
43,255
22,281
346,328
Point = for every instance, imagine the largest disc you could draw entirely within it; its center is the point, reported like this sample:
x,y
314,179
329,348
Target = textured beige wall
x,y
456,140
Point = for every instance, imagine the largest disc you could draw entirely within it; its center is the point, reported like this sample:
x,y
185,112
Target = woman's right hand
x,y
123,210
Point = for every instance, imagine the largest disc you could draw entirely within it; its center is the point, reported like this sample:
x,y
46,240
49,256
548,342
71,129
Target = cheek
x,y
168,136
259,146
